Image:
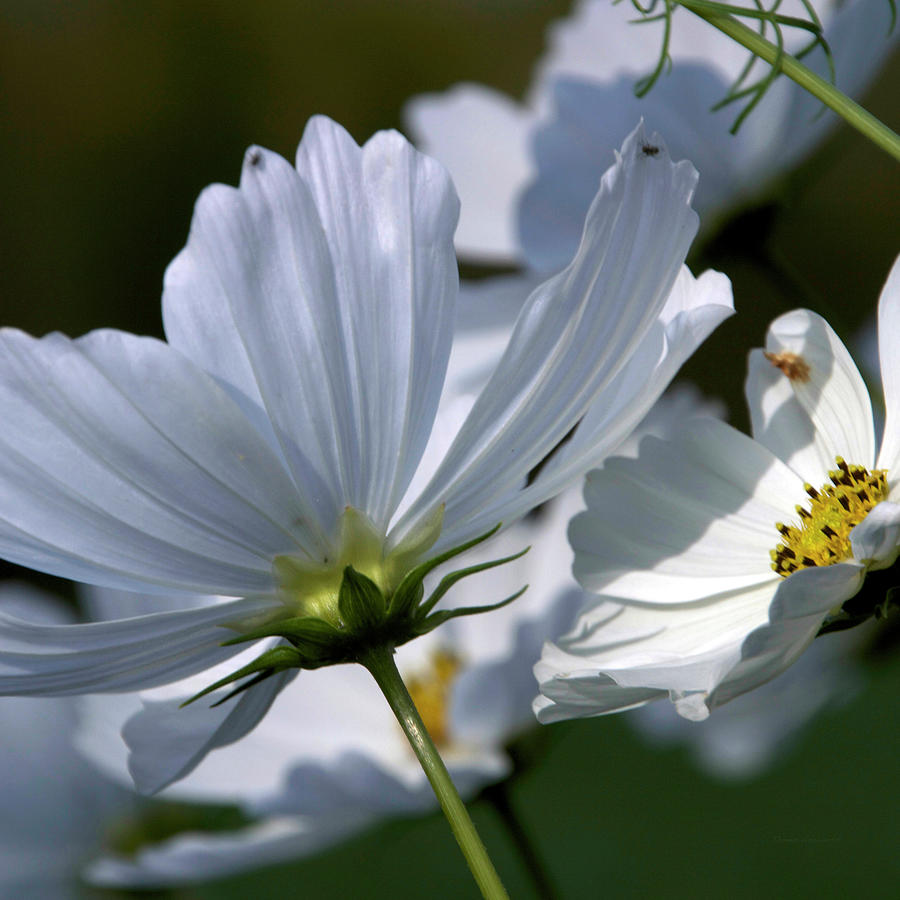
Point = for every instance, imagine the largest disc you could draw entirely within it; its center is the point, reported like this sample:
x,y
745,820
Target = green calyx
x,y
366,617
879,598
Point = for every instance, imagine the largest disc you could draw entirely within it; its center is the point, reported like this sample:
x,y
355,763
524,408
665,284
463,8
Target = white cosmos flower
x,y
294,425
525,171
679,543
55,809
349,765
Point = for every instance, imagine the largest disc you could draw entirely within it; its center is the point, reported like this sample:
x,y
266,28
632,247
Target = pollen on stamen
x,y
822,536
792,364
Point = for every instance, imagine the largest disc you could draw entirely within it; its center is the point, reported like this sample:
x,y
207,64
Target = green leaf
x,y
451,578
311,630
275,660
412,581
406,598
429,623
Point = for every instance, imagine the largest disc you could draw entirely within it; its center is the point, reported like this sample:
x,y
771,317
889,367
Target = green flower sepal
x,y
367,619
878,599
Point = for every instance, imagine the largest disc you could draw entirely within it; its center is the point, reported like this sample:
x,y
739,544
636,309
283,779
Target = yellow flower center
x,y
823,535
430,691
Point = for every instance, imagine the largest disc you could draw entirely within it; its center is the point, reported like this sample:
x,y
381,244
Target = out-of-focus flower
x,y
292,426
716,558
55,809
526,171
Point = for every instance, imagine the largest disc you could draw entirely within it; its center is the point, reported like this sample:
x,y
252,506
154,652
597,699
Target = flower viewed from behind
x,y
289,446
526,180
716,559
348,767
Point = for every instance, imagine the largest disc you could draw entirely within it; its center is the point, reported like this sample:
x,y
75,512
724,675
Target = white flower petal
x,y
167,741
389,214
876,540
573,337
798,608
694,308
124,464
779,422
573,143
828,386
480,135
342,710
586,693
252,298
191,858
619,657
685,520
889,352
327,297
122,655
100,603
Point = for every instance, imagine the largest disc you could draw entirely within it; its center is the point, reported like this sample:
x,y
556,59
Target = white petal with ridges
x,y
327,298
574,142
122,655
618,657
573,337
694,308
256,268
124,464
389,214
693,517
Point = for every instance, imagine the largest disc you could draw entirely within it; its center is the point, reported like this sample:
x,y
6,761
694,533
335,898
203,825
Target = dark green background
x,y
114,116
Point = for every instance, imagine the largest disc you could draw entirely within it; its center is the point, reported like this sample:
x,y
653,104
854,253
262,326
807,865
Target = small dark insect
x,y
649,150
255,158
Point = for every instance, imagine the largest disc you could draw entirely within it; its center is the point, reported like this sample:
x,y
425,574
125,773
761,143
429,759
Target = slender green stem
x,y
859,118
381,666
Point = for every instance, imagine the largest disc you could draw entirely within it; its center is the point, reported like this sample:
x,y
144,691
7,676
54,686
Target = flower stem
x,y
383,669
852,113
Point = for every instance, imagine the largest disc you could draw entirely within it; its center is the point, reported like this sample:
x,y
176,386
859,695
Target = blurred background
x,y
114,115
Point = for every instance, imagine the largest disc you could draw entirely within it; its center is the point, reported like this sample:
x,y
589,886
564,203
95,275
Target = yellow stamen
x,y
823,535
430,691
